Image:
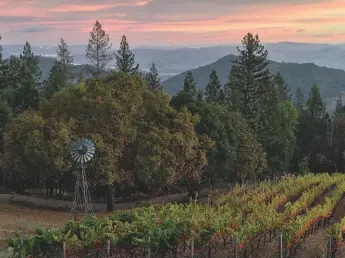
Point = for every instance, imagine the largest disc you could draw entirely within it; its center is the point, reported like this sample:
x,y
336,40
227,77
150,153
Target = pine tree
x,y
213,88
3,68
98,50
283,88
1,50
55,82
249,77
313,128
189,86
65,58
200,95
299,101
125,58
188,95
222,99
30,64
339,109
29,80
316,108
61,71
152,79
5,109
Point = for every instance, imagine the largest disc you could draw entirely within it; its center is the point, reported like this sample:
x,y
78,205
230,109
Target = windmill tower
x,y
82,152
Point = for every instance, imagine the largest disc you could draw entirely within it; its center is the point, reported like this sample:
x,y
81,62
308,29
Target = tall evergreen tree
x,y
30,80
312,130
1,49
299,100
65,58
98,50
283,88
222,99
200,95
125,58
252,91
3,68
188,95
152,79
189,86
249,77
213,88
5,109
55,82
61,71
30,64
339,109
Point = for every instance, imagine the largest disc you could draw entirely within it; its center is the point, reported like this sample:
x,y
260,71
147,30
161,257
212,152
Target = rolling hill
x,y
173,61
331,81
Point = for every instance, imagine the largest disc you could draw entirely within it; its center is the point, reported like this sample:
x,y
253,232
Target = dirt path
x,y
61,205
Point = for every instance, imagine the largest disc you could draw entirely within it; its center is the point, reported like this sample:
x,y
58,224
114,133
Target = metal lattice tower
x,y
82,152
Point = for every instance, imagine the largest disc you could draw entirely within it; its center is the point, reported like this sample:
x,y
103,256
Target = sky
x,y
172,22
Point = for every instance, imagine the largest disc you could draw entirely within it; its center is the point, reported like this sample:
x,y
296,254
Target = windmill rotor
x,y
82,150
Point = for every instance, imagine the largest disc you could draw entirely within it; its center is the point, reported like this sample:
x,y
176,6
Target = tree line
x,y
249,129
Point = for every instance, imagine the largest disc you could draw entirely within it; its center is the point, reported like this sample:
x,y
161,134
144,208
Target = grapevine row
x,y
296,230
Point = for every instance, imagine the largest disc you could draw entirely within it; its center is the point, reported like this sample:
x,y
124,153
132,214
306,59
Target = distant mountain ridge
x,y
331,81
176,60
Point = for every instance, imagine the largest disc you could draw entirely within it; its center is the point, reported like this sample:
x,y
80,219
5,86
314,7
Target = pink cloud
x,y
80,8
273,22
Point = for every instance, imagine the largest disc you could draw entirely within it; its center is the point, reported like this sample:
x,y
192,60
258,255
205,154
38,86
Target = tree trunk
x,y
51,192
3,180
110,198
335,166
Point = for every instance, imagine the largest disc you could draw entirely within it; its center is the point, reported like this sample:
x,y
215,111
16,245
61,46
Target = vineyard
x,y
242,223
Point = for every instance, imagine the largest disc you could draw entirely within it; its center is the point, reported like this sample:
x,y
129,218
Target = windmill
x,y
82,152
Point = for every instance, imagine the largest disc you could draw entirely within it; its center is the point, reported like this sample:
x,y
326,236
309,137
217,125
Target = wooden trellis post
x,y
64,249
280,245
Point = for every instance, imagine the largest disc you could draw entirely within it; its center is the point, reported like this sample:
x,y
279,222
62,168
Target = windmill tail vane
x,y
82,151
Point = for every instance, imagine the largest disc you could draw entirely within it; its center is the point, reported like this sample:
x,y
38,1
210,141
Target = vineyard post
x,y
108,248
235,248
192,245
329,249
280,245
149,249
64,249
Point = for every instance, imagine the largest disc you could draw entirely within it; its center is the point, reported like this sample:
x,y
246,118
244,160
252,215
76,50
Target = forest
x,y
249,129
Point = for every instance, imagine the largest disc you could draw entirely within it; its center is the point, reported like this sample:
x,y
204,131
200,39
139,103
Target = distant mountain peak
x,y
305,75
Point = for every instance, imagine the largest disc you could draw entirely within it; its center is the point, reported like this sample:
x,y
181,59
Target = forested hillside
x,y
331,81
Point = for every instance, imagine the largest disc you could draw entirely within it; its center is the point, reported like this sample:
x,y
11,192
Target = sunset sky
x,y
172,22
